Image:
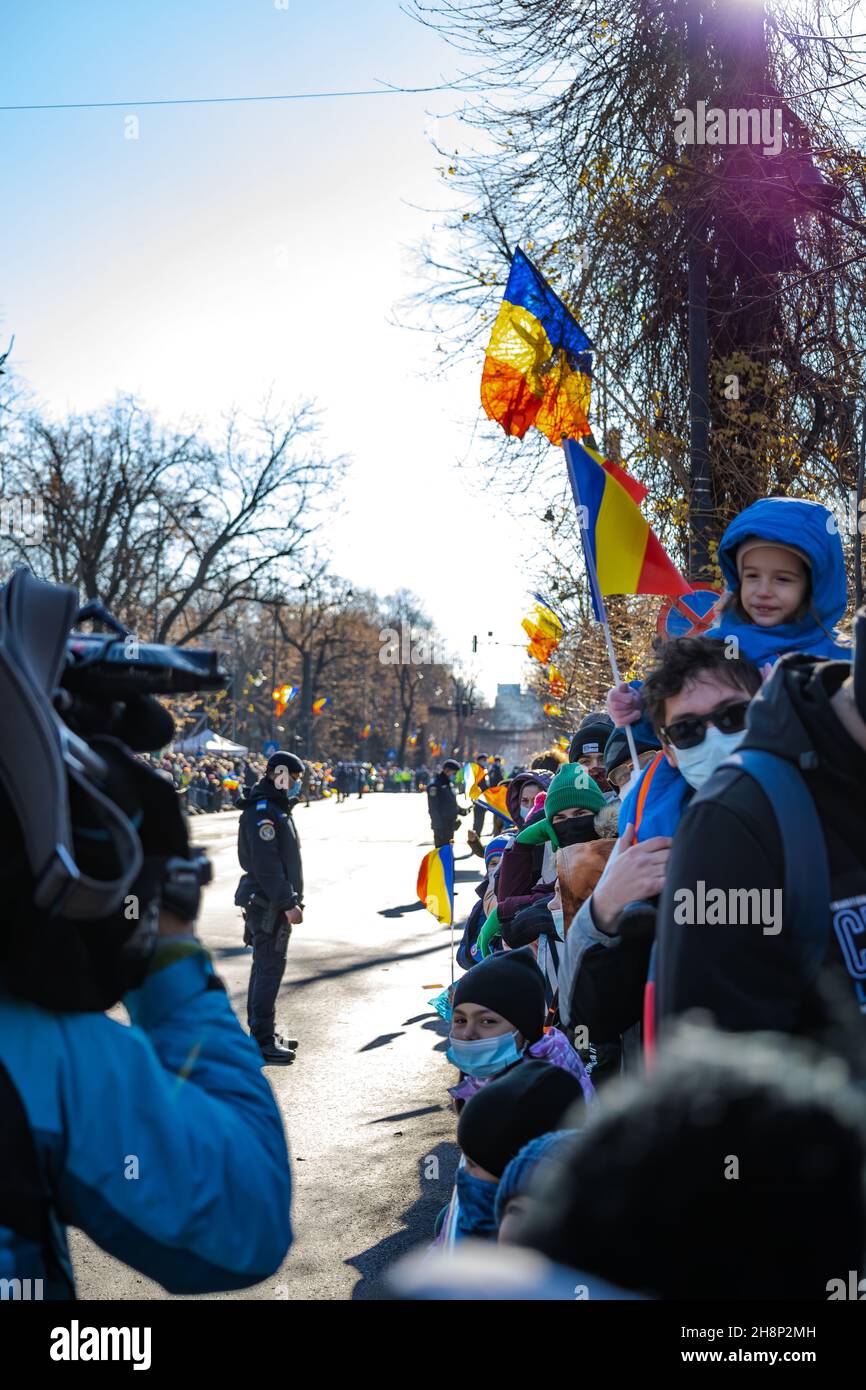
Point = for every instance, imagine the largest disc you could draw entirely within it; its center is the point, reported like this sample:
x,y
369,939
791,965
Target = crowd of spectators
x,y
209,782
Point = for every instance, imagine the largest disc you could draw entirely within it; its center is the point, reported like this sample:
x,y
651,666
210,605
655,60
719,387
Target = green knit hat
x,y
571,787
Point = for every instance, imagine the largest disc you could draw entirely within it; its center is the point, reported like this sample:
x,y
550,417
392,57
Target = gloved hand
x,y
624,705
528,925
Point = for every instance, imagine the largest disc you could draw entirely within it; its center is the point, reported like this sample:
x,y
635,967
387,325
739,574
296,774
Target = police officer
x,y
442,804
271,892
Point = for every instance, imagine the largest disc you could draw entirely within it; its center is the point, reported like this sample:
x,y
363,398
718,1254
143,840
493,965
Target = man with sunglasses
x,y
780,950
697,697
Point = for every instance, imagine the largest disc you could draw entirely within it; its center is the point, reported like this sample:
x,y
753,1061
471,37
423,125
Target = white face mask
x,y
698,764
558,921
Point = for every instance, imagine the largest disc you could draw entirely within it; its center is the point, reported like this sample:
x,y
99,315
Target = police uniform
x,y
272,884
443,809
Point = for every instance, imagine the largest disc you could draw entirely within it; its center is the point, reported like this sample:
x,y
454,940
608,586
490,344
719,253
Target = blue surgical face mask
x,y
485,1057
698,764
477,1200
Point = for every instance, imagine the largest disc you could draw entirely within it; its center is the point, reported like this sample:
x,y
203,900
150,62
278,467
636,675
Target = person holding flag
x,y
442,804
473,836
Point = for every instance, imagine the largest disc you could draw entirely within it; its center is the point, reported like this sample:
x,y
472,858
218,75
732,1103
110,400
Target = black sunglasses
x,y
691,730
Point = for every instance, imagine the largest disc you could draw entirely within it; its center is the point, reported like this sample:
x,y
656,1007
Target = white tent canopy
x,y
206,741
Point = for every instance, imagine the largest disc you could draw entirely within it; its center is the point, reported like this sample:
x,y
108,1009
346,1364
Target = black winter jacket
x,y
442,804
268,846
746,977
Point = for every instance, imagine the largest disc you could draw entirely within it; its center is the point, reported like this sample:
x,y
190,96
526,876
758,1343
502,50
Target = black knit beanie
x,y
510,984
531,1099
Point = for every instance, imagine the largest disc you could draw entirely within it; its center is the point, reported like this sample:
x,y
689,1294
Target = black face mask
x,y
577,830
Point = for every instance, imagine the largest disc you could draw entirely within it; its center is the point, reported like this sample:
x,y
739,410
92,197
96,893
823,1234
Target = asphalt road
x,y
365,1102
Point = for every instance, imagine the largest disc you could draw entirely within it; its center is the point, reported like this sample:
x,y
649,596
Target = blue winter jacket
x,y
810,527
162,1141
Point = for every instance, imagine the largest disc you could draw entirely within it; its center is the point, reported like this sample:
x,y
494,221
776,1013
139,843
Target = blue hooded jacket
x,y
808,526
162,1140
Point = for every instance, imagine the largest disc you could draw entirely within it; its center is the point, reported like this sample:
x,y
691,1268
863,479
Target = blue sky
x,y
231,250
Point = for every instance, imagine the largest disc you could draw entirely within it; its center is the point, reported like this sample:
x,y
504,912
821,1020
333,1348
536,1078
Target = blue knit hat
x,y
498,845
521,1171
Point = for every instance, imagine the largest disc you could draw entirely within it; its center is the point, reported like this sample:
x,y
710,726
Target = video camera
x,y
116,665
100,831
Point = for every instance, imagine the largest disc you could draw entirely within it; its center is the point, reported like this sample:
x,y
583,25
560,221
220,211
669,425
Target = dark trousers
x,y
478,814
443,837
266,974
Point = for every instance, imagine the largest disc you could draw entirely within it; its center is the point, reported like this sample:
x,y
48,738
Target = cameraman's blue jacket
x,y
162,1141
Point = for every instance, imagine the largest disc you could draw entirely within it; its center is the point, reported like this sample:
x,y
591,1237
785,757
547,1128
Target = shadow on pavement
x,y
435,1179
376,962
399,911
406,1115
382,1041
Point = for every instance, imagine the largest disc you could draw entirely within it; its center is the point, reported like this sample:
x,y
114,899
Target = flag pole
x,y
597,598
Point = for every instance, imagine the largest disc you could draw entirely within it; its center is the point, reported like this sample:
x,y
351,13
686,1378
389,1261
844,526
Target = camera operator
x,y
271,892
144,1137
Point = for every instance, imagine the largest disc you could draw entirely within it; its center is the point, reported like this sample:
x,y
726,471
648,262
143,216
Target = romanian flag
x,y
319,705
538,365
636,490
551,710
436,884
545,632
283,696
365,732
556,682
625,553
473,773
493,799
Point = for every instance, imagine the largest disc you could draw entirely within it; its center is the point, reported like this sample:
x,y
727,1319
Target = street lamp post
x,y
701,512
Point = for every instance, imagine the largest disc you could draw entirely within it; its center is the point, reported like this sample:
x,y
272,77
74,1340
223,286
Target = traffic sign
x,y
690,615
270,747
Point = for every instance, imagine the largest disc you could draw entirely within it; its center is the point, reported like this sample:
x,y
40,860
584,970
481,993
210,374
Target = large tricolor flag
x,y
436,884
623,550
538,366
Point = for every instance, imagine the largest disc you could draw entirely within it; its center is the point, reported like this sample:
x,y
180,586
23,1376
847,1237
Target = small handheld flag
x,y
493,799
283,696
436,884
556,683
473,773
545,632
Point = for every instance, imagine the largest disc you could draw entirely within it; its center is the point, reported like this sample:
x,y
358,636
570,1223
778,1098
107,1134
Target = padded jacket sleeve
x,y
171,1152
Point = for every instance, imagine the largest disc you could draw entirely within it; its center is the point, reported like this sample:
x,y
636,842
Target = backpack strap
x,y
650,773
806,885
